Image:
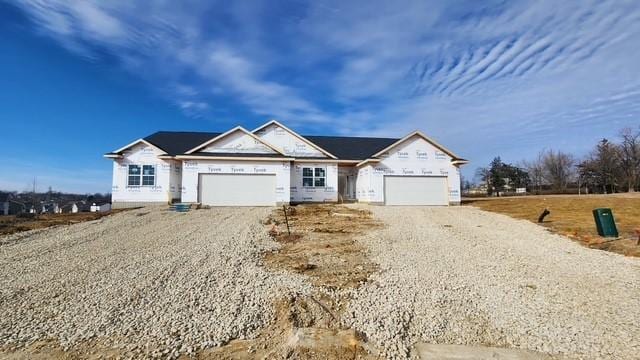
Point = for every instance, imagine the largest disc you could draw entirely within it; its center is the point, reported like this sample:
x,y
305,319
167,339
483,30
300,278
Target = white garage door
x,y
415,190
237,190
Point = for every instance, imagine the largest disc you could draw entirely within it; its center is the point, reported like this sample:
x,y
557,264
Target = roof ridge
x,y
352,137
187,132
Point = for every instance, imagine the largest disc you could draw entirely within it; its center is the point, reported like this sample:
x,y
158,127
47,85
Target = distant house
x,y
8,206
76,207
81,206
100,207
50,208
4,204
481,189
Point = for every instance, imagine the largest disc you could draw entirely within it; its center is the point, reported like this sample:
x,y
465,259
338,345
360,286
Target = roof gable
x,y
138,143
142,152
423,136
237,140
291,143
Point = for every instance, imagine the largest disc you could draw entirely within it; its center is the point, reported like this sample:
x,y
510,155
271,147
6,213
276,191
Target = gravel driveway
x,y
154,281
460,275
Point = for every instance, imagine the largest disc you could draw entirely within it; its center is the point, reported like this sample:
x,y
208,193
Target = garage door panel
x,y
237,190
416,190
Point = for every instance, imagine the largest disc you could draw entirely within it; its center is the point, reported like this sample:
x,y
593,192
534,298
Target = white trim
x,y
237,128
313,160
368,161
425,137
137,142
300,137
113,156
460,162
199,157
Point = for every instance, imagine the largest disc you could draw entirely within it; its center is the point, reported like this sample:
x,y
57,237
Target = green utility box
x,y
605,223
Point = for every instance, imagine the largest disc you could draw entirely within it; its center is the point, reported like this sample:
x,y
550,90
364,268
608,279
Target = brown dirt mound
x,y
322,246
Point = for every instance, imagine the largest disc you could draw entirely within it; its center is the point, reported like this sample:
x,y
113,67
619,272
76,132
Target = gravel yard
x,y
460,275
152,282
149,280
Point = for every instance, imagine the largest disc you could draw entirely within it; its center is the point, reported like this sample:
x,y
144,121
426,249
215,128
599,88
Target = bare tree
x,y
535,168
629,152
483,174
558,168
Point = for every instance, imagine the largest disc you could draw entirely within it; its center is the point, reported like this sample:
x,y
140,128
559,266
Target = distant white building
x,y
100,207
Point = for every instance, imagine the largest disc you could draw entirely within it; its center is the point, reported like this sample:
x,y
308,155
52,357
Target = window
x,y
314,177
319,177
144,175
134,175
148,175
307,177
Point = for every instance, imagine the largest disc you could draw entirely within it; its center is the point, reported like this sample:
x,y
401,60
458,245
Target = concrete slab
x,y
464,352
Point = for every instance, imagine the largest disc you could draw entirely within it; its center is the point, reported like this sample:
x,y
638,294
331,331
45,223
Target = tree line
x,y
611,166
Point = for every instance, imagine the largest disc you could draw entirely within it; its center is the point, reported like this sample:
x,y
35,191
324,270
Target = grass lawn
x,y
571,215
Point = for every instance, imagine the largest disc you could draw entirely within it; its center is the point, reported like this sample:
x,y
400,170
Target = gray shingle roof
x,y
351,148
178,142
343,147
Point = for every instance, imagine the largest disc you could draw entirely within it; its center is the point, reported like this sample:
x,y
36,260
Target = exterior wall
x,y
238,142
142,154
4,208
175,179
363,183
135,204
414,157
346,171
287,142
329,193
191,170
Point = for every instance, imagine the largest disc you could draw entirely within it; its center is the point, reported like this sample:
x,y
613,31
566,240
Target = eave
x,y
310,160
459,162
366,161
266,158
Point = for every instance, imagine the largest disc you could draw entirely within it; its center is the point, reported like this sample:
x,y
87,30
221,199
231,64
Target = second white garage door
x,y
415,190
237,190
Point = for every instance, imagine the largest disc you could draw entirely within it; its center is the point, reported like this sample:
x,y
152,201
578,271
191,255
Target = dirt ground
x,y
12,224
321,244
571,215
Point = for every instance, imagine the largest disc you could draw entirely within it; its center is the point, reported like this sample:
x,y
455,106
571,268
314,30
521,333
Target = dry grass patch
x,y
12,224
572,216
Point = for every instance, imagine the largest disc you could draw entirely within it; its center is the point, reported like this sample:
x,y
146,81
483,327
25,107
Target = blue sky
x,y
485,78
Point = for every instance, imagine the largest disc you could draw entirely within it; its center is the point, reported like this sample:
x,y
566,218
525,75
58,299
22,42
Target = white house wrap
x,y
274,165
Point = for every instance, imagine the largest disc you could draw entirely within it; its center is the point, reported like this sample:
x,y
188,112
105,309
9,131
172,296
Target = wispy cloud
x,y
484,77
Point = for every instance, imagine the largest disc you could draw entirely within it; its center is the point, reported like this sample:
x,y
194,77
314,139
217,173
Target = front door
x,y
351,187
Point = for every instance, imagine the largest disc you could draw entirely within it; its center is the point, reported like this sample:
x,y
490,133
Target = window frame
x,y
314,177
152,176
140,179
137,176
